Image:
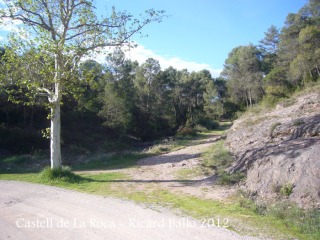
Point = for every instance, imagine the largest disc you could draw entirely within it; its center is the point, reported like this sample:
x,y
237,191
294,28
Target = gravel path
x,y
31,211
163,170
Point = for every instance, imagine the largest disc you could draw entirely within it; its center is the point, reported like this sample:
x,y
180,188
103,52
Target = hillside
x,y
279,149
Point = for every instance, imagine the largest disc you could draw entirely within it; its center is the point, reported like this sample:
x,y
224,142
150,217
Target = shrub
x,y
246,200
63,174
298,122
207,123
217,156
200,128
286,190
187,131
273,127
305,221
231,178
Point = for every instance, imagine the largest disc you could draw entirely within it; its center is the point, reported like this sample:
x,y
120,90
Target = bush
x,y
200,128
286,190
273,127
306,222
63,174
270,101
218,156
207,123
230,178
246,201
298,122
187,131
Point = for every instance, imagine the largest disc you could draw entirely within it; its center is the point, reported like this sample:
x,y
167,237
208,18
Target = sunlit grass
x,y
241,217
217,157
238,213
190,173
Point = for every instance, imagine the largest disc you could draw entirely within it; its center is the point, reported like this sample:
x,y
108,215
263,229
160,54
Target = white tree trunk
x,y
55,141
55,136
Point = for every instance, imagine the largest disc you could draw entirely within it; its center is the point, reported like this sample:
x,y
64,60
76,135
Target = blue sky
x,y
199,34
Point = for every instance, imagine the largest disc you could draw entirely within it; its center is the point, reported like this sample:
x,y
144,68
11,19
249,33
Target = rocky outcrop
x,y
280,150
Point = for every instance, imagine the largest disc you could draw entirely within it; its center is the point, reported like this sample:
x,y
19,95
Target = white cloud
x,y
141,54
10,25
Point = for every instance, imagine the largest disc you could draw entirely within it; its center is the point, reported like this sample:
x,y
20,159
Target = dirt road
x,y
31,211
162,172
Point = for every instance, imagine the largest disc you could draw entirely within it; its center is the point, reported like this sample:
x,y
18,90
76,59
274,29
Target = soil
x,y
162,172
32,211
279,150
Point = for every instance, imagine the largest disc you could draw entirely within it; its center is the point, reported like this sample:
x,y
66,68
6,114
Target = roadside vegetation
x,y
238,213
218,159
122,111
121,156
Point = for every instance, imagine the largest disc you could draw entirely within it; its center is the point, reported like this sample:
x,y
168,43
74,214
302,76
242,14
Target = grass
x,y
63,174
189,173
98,184
278,222
286,190
230,178
217,156
129,159
273,127
119,160
109,162
304,223
16,159
239,213
21,163
182,141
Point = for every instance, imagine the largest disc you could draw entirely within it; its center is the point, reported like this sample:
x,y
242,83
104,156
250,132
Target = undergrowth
x,y
63,174
304,221
230,178
218,158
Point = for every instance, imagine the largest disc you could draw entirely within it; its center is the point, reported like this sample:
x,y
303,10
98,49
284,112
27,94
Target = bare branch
x,y
51,28
45,91
43,24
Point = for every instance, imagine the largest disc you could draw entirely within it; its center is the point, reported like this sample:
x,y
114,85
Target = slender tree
x,y
242,70
57,34
306,65
269,47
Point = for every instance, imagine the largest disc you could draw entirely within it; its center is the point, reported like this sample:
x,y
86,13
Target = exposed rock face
x,y
280,151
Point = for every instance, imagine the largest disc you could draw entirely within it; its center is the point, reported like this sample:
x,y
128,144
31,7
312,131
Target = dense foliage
x,y
122,98
118,98
284,61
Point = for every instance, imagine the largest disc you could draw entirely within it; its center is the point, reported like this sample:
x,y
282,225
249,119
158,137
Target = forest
x,y
112,103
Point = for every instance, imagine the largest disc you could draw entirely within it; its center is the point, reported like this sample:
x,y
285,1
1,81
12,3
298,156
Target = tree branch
x,y
46,91
43,23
